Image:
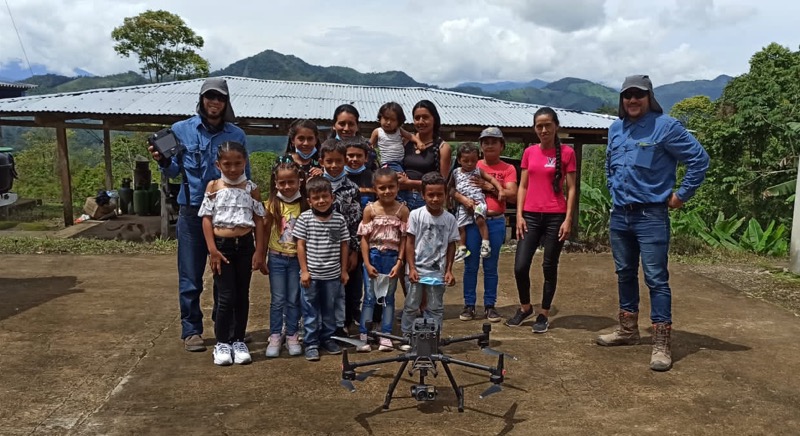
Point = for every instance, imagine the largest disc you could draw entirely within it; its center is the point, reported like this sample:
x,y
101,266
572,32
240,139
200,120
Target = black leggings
x,y
542,230
233,288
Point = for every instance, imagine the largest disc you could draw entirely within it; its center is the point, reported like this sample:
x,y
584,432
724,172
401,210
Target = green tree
x,y
164,44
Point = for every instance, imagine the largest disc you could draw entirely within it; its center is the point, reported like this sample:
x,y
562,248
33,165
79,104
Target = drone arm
x,y
474,337
388,336
398,358
447,359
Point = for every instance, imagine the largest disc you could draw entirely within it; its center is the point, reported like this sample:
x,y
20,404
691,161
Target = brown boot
x,y
627,333
661,359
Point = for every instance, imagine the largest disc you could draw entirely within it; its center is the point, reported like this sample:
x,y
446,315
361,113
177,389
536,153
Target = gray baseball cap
x,y
639,81
217,84
491,132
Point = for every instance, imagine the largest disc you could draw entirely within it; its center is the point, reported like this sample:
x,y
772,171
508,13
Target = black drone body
x,y
423,354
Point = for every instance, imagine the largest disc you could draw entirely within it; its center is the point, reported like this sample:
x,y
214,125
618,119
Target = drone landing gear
x,y
459,391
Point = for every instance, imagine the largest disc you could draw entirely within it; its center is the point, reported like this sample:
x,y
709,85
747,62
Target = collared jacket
x,y
642,159
199,156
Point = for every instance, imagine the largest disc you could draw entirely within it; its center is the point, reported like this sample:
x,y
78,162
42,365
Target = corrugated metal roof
x,y
16,85
274,99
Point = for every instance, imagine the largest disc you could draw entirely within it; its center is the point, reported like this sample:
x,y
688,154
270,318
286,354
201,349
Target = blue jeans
x,y
497,234
284,287
643,232
383,261
412,199
192,256
434,309
319,318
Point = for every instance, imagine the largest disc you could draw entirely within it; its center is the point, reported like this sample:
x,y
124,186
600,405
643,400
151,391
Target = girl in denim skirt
x,y
232,212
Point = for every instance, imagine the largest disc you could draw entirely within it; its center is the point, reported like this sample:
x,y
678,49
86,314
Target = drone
x,y
423,353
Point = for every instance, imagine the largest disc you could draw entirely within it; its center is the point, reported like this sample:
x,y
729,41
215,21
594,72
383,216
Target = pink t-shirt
x,y
504,173
541,166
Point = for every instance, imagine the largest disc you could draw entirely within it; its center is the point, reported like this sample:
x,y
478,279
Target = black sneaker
x,y
467,314
518,317
541,324
332,347
491,314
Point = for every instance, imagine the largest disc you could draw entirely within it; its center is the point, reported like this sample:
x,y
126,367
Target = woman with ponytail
x,y
544,213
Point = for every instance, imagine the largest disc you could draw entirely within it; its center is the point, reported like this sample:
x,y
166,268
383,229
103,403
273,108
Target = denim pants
x,y
413,199
542,230
233,287
643,232
192,257
284,287
383,261
434,309
497,234
319,310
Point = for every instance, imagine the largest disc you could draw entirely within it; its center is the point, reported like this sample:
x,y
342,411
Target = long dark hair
x,y
274,205
295,127
348,108
437,126
557,178
393,107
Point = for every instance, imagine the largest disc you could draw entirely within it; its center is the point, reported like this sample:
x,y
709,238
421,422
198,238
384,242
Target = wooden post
x,y
63,168
107,159
578,144
164,209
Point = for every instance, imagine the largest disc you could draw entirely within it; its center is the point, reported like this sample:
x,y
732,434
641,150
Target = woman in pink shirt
x,y
544,213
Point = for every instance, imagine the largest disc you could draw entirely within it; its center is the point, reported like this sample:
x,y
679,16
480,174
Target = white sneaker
x,y
366,348
241,355
461,253
385,344
405,347
222,354
274,345
293,345
486,249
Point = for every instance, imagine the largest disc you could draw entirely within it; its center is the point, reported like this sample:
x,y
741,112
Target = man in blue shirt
x,y
644,148
200,137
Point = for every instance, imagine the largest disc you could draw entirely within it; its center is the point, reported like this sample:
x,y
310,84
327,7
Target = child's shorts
x,y
464,218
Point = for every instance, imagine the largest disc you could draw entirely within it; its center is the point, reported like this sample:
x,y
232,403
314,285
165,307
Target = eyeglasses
x,y
216,96
634,93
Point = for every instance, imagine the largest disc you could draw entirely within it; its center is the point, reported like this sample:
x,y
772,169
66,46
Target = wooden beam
x,y
578,147
163,188
66,181
107,159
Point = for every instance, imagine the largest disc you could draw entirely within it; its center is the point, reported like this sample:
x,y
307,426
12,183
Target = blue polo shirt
x,y
200,155
642,158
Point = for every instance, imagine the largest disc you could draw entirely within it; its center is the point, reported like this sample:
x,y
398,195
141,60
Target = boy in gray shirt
x,y
430,250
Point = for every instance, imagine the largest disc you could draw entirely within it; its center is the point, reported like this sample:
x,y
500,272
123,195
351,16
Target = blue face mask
x,y
359,170
305,156
334,179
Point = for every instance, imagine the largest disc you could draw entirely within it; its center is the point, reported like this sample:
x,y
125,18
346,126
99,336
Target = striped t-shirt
x,y
323,243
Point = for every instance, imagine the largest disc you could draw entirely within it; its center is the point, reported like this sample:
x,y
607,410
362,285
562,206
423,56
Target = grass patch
x,y
80,246
5,225
36,226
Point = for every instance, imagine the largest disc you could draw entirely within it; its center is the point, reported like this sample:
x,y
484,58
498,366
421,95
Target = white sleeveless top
x,y
390,146
232,207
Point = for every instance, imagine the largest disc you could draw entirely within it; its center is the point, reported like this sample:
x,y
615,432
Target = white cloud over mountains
x,y
443,42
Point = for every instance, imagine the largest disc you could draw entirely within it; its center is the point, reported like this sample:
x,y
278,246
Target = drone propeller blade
x,y
351,341
493,389
347,384
493,352
363,376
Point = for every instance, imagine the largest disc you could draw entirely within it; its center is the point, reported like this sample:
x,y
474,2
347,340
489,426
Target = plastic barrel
x,y
141,202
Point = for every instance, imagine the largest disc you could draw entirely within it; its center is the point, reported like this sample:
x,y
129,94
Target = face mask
x,y
360,170
334,179
291,199
305,156
238,181
324,213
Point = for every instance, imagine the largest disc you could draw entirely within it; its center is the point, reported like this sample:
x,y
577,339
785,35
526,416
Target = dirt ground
x,y
90,345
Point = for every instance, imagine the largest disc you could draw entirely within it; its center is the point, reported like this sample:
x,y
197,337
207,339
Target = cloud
x,y
562,15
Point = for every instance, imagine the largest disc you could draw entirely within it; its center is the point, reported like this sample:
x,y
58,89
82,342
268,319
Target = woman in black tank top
x,y
435,157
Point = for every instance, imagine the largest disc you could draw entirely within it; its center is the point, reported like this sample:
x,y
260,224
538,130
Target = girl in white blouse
x,y
232,212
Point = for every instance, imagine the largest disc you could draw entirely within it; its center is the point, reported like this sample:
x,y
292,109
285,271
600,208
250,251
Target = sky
x,y
441,42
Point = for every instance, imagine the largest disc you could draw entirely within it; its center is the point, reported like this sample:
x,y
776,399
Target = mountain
x,y
668,95
52,83
272,65
15,71
503,86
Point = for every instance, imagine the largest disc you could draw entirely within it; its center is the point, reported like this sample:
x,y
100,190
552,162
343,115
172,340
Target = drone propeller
x,y
351,341
348,384
493,389
493,352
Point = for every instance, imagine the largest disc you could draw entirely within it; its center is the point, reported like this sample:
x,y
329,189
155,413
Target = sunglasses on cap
x,y
634,93
211,95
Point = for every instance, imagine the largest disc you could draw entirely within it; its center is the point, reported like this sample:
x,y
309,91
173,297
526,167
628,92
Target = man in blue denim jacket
x,y
200,136
644,148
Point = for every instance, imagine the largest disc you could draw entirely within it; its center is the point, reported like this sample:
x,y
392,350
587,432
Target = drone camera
x,y
423,392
